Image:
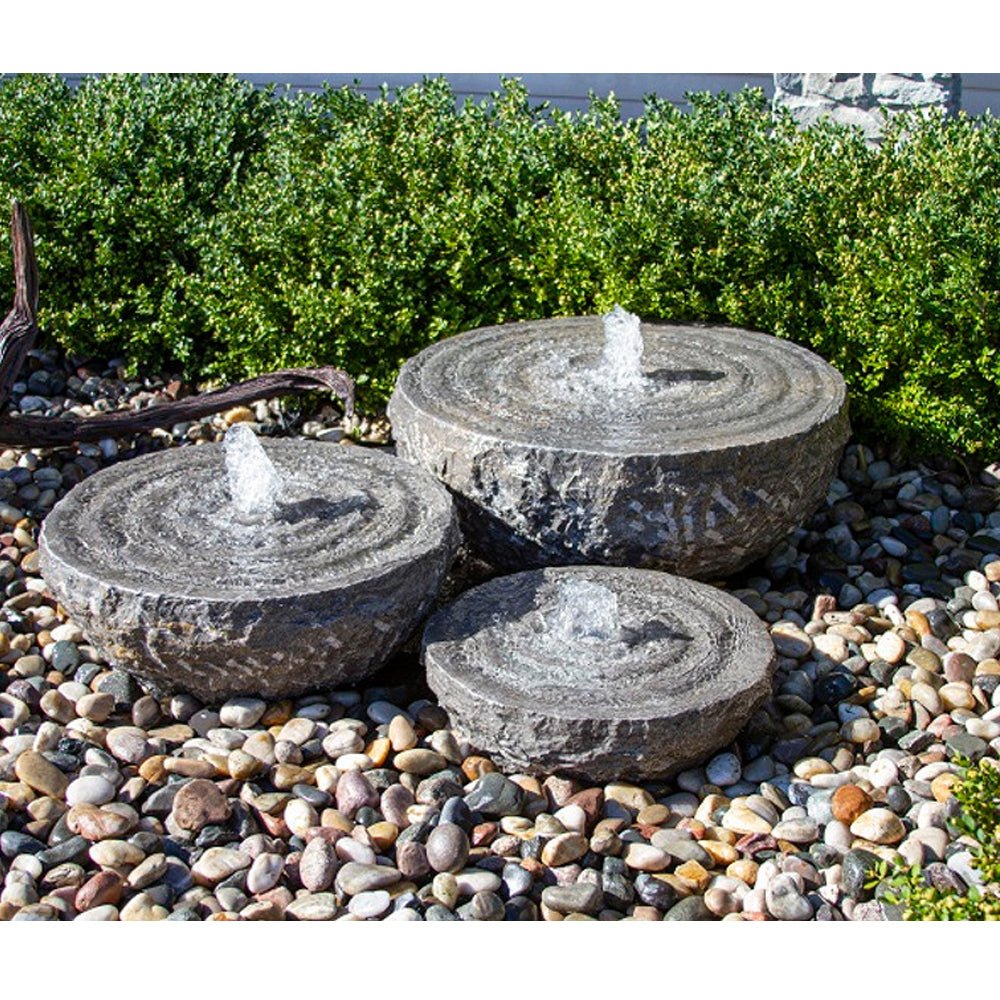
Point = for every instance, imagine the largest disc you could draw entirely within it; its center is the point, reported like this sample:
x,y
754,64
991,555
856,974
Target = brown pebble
x,y
654,815
849,802
199,803
591,801
93,823
484,834
188,767
475,767
152,769
104,887
277,714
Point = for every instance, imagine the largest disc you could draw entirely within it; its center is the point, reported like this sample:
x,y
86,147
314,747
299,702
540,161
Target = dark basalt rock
x,y
687,668
728,443
149,557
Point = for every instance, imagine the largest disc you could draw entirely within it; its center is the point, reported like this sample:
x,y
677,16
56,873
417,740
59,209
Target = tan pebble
x,y
917,620
401,734
189,767
97,706
262,909
57,707
46,808
93,823
335,820
942,786
957,695
286,776
890,647
261,746
517,825
722,854
654,815
115,854
40,774
722,835
606,842
681,886
528,782
988,667
744,869
152,769
721,902
238,415
327,777
695,874
880,826
421,762
378,751
708,806
17,794
243,766
630,796
741,819
808,767
564,849
383,835
299,816
142,907
925,695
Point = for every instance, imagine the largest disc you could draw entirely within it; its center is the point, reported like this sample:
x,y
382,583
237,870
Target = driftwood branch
x,y
18,330
17,336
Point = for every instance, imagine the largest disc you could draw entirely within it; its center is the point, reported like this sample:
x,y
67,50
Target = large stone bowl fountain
x,y
602,672
683,448
259,571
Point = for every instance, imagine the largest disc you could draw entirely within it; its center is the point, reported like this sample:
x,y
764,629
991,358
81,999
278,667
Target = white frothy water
x,y
254,482
584,612
622,358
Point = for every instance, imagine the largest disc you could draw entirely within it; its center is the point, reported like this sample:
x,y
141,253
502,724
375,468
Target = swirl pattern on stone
x,y
168,518
155,562
540,383
686,671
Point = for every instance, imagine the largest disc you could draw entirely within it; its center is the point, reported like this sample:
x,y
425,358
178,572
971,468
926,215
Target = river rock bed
x,y
364,804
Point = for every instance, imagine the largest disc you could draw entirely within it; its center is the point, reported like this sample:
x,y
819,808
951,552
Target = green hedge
x,y
193,220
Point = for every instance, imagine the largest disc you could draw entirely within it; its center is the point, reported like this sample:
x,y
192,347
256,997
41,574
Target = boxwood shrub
x,y
195,221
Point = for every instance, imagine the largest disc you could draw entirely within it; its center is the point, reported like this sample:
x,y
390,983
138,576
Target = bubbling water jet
x,y
254,483
623,347
584,611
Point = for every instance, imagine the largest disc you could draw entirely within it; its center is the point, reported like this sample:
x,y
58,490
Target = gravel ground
x,y
363,804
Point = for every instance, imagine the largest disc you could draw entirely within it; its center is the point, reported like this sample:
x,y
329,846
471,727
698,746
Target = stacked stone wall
x,y
861,98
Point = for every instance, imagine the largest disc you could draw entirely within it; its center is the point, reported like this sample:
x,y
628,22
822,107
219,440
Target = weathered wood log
x,y
19,331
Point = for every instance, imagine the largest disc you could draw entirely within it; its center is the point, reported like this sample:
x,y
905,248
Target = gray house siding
x,y
980,91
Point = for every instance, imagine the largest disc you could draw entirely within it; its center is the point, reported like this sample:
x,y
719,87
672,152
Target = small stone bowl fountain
x,y
599,672
241,569
683,448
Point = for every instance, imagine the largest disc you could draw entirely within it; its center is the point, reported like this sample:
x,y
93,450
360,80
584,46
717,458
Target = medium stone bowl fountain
x,y
682,448
236,569
602,672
